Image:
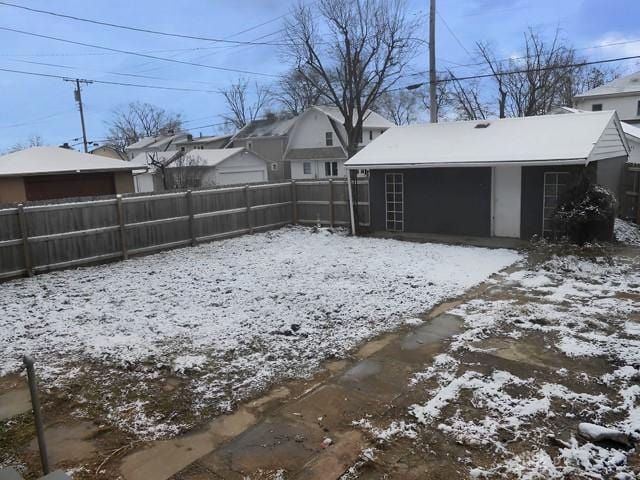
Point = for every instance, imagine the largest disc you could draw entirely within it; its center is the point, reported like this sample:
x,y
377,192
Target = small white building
x,y
621,95
208,168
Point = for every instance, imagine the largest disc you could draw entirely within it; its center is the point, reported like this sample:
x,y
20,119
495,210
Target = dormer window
x,y
328,138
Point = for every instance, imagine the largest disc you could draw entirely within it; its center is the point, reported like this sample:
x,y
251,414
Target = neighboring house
x,y
43,173
630,199
165,141
209,168
149,173
312,145
109,152
268,138
201,143
487,178
621,95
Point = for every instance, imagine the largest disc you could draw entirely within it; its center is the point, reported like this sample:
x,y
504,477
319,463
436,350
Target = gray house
x,y
487,178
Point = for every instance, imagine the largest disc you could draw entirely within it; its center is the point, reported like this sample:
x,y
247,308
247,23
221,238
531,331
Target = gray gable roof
x,y
322,153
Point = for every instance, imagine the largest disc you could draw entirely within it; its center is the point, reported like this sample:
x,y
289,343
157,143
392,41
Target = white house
x,y
621,95
312,145
163,142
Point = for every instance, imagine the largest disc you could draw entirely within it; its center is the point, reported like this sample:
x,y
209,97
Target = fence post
x,y
26,249
192,219
35,404
294,203
123,231
247,198
331,209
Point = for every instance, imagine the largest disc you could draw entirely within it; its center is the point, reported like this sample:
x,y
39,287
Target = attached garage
x,y
44,173
488,178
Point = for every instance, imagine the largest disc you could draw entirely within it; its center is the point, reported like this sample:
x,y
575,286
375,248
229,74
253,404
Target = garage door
x,y
231,178
47,187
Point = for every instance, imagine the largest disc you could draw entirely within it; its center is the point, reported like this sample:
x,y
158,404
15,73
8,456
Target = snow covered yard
x,y
155,344
546,348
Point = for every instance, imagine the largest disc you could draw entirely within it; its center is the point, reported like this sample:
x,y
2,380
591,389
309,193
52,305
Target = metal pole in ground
x,y
35,402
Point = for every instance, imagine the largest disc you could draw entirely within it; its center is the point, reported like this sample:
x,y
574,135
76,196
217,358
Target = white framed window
x,y
394,201
274,167
328,139
306,168
331,169
596,107
555,184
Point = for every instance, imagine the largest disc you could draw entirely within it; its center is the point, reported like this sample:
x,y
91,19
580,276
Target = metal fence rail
x,y
40,238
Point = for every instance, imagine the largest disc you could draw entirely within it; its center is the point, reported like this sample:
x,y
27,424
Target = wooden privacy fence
x,y
40,238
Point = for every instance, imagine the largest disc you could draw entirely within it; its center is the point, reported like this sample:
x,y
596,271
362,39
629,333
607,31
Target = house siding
x,y
12,190
609,145
272,150
454,201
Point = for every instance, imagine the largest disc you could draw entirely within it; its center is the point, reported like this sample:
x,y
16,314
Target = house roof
x,y
199,140
159,142
371,119
144,159
267,127
547,139
49,160
631,131
620,86
213,157
321,153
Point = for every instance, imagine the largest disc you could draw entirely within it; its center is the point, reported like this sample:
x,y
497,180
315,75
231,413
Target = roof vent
x,y
482,125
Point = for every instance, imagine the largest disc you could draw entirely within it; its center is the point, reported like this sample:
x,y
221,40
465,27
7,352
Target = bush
x,y
586,211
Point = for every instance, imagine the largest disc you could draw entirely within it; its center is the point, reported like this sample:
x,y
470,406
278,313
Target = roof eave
x,y
369,166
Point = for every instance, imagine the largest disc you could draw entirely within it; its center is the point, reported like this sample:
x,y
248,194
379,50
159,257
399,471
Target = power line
x,y
70,67
105,82
137,54
37,120
137,29
514,72
451,32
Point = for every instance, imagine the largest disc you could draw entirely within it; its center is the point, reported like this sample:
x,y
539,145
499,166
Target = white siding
x,y
241,168
143,182
317,169
310,131
634,155
610,144
626,106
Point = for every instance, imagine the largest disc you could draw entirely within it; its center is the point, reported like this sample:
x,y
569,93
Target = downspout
x,y
351,211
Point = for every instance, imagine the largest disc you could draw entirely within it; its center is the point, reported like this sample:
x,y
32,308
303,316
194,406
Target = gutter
x,y
535,163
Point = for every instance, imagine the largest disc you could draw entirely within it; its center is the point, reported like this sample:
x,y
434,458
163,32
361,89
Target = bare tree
x,y
466,100
187,171
242,107
295,93
32,141
537,81
402,107
352,51
137,120
586,78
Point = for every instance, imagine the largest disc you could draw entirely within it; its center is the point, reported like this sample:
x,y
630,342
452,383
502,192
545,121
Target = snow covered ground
x,y
550,346
627,232
221,321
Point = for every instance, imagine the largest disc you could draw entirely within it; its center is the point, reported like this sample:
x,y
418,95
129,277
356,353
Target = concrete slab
x,y
334,407
165,458
15,402
68,443
381,377
276,443
334,460
9,474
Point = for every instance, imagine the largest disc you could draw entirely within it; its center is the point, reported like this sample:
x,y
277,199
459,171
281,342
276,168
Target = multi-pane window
x,y
328,138
306,168
596,107
331,169
555,184
394,202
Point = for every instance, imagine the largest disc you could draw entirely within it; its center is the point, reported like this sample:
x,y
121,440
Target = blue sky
x,y
45,107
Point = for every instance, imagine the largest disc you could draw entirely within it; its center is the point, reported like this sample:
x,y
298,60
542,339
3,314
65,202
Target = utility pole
x,y
433,101
78,96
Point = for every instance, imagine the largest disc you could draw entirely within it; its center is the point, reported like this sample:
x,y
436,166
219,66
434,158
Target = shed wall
x,y
455,201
